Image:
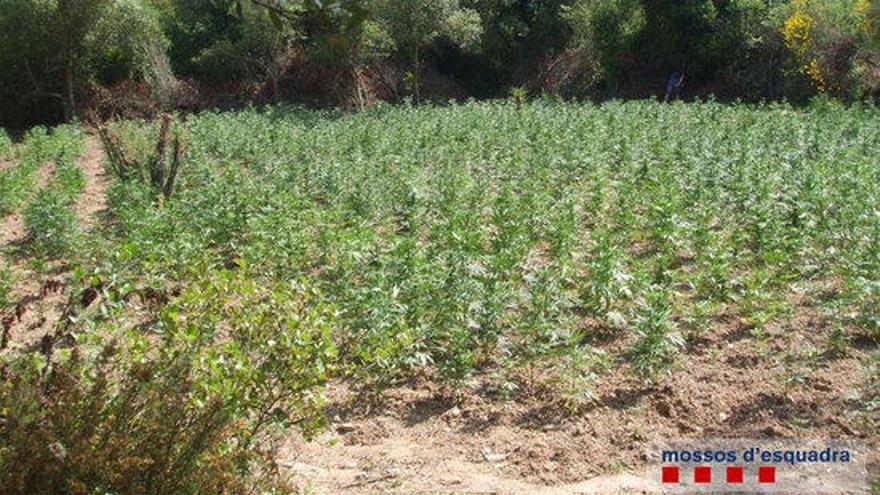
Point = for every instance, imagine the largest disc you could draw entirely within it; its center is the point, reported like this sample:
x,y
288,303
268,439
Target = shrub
x,y
184,414
122,424
266,347
833,44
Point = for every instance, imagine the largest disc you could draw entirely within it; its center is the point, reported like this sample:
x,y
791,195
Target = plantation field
x,y
535,290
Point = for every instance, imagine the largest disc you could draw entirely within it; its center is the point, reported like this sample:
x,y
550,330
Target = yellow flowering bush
x,y
799,32
862,10
829,38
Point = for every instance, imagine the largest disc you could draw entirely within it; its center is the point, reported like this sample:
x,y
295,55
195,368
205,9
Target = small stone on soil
x,y
346,428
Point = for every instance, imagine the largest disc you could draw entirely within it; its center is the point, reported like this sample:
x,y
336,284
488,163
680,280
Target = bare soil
x,y
423,438
93,199
41,299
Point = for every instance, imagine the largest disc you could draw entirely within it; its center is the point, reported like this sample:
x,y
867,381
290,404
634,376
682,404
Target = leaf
x,y
276,21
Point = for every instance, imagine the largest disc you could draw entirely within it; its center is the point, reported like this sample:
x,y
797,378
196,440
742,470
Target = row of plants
x,y
485,234
38,146
502,238
50,221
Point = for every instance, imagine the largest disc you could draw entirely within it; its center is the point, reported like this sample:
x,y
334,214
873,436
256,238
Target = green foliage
x,y
51,50
607,280
51,225
17,181
477,235
519,95
238,361
119,422
267,347
56,54
657,341
834,45
734,43
5,287
5,143
413,25
605,30
221,41
517,35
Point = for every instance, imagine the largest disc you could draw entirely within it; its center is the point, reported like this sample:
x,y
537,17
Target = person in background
x,y
674,85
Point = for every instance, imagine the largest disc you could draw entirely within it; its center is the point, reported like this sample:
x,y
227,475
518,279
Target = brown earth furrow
x,y
17,325
92,200
41,299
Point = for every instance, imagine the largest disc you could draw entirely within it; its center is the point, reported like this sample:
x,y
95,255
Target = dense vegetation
x,y
482,233
62,58
484,238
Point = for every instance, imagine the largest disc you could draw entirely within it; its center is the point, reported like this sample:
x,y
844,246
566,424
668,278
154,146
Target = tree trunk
x,y
68,102
417,73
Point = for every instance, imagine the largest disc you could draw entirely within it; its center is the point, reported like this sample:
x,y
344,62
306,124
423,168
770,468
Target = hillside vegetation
x,y
62,59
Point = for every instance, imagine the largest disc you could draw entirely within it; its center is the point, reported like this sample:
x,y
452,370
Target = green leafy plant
x,y
5,287
658,342
52,227
237,362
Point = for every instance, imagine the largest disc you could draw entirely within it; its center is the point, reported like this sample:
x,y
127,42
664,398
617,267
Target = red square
x,y
702,474
734,474
766,474
670,474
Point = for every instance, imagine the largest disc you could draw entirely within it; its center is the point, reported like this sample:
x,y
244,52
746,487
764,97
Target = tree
x,y
43,40
518,35
223,40
50,49
73,20
415,24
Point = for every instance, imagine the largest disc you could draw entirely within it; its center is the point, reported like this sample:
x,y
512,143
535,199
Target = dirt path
x,y
407,462
410,440
40,299
93,199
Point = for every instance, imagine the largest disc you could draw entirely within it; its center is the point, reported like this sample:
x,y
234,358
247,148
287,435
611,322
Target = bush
x,y
183,414
834,45
52,52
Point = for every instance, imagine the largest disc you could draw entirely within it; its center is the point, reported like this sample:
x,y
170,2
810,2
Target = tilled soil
x,y
423,438
41,299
